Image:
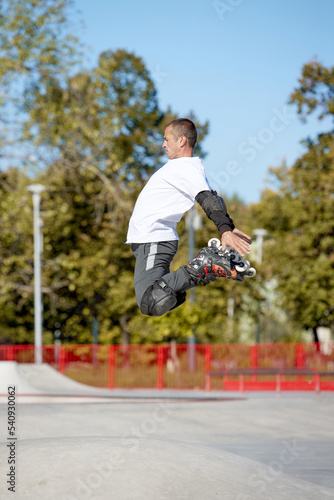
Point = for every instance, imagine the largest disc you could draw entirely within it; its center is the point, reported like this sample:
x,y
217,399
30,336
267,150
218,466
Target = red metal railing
x,y
185,366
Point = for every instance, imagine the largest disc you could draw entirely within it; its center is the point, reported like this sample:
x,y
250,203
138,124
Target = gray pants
x,y
153,262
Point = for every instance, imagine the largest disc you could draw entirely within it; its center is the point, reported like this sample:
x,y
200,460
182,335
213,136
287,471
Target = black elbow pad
x,y
211,202
215,208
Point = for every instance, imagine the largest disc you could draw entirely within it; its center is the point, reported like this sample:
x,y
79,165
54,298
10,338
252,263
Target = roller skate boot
x,y
242,267
209,264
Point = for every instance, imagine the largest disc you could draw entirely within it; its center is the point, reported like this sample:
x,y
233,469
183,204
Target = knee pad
x,y
158,299
180,299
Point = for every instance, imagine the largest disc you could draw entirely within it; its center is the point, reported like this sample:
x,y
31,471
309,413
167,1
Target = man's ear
x,y
183,140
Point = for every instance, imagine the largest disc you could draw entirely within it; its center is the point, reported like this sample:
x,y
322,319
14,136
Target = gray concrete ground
x,y
152,445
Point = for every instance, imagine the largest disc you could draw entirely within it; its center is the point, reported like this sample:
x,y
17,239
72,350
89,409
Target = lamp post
x,y
36,190
194,222
259,235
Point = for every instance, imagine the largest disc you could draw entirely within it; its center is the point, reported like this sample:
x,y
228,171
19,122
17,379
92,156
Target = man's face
x,y
171,144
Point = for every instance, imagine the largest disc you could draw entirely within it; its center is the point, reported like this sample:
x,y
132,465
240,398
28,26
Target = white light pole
x,y
194,222
36,190
259,235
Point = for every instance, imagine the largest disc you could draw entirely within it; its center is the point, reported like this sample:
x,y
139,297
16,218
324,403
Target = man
x,y
169,193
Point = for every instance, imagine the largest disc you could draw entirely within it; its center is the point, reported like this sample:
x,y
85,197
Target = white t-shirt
x,y
168,194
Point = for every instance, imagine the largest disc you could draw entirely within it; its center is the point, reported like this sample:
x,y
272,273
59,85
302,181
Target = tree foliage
x,y
16,254
36,46
315,92
298,214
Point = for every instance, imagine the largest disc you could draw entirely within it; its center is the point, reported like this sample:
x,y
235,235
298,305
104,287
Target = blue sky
x,y
231,62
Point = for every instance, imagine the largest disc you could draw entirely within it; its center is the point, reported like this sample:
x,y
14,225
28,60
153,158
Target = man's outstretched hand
x,y
238,240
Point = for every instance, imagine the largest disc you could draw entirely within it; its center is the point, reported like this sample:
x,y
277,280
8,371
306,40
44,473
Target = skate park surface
x,y
77,442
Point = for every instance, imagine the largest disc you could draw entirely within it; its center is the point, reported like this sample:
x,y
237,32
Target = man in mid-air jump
x,y
169,193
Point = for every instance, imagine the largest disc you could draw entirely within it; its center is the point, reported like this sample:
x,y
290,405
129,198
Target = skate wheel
x,y
242,266
214,243
250,273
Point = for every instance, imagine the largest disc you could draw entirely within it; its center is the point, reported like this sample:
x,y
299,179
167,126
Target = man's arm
x,y
216,210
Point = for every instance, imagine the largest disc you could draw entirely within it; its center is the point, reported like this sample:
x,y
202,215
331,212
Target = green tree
x,y
315,93
298,213
36,45
16,254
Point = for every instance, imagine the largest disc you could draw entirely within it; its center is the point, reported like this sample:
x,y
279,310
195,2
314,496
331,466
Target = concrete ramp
x,y
46,379
11,375
42,383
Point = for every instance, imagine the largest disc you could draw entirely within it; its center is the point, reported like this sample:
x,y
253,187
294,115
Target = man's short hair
x,y
184,126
